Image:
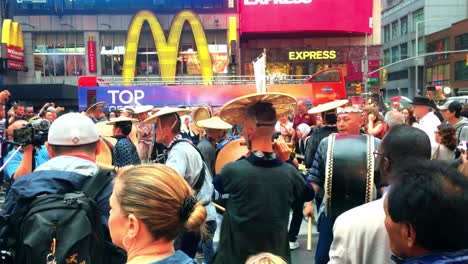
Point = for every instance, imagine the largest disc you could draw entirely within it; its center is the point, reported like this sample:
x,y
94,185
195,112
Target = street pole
x,y
416,73
365,68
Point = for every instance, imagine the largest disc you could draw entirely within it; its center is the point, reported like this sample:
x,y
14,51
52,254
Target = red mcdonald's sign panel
x,y
92,54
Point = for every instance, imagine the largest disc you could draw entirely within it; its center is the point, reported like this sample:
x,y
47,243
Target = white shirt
x,y
359,236
429,124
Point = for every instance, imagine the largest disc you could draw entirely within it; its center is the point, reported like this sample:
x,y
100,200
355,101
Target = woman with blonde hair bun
x,y
150,205
265,258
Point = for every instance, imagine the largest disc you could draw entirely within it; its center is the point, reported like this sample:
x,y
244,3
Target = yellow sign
x,y
358,88
312,55
167,49
12,34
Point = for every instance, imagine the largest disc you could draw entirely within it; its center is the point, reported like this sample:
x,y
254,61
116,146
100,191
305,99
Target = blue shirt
x,y
178,257
41,156
124,153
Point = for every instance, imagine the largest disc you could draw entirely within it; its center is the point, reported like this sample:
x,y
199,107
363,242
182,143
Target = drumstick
x,y
219,206
309,234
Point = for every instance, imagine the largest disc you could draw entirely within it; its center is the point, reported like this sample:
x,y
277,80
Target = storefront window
x,y
59,54
112,52
438,75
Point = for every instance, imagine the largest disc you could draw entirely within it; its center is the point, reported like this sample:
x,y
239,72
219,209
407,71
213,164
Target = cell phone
x,y
24,135
431,88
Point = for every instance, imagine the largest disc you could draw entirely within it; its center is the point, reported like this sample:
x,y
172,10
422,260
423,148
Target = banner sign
x,y
92,54
117,97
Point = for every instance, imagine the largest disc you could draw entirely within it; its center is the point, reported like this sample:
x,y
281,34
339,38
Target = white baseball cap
x,y
72,129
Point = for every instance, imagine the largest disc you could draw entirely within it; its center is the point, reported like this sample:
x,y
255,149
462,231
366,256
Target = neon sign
x,y
312,55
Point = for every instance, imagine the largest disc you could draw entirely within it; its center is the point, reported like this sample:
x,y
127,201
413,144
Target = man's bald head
x,y
301,107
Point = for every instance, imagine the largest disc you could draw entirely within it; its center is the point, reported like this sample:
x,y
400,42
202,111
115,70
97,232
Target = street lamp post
x,y
417,51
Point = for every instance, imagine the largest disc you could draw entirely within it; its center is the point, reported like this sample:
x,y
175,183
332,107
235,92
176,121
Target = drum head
x,y
105,131
232,151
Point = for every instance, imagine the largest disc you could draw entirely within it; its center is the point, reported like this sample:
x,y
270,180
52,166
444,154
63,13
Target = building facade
x,y
76,38
405,23
303,44
448,70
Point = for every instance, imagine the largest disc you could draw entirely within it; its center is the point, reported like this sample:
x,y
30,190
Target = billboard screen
x,y
286,16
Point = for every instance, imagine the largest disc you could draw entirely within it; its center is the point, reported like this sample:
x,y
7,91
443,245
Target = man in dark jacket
x,y
416,221
72,146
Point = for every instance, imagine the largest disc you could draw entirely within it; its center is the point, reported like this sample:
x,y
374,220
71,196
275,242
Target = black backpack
x,y
66,228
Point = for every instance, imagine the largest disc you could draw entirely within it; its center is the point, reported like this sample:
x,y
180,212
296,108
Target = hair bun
x,y
187,207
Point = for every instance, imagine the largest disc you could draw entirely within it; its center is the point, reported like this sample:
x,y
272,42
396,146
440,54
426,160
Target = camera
x,y
431,88
34,133
463,146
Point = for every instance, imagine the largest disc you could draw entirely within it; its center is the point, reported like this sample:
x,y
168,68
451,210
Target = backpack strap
x,y
201,178
97,183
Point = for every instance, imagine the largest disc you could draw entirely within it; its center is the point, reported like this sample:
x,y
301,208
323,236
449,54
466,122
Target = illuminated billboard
x,y
289,16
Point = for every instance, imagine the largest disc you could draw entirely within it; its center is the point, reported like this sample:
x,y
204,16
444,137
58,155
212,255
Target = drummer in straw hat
x,y
184,157
261,186
215,130
124,151
348,123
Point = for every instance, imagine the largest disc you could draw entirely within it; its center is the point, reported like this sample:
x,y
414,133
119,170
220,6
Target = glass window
x,y
418,16
327,76
461,71
387,33
395,54
59,54
413,48
420,46
404,25
112,52
404,51
387,57
395,29
461,42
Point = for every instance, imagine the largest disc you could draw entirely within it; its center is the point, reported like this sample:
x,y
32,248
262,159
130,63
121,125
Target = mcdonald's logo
x,y
12,40
167,48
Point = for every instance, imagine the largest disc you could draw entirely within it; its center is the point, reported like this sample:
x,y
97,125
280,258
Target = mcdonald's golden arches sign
x,y
167,48
12,45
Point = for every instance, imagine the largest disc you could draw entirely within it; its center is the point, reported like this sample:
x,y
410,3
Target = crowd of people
x,y
151,182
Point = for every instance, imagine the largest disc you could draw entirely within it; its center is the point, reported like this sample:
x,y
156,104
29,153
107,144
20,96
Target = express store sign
x,y
286,16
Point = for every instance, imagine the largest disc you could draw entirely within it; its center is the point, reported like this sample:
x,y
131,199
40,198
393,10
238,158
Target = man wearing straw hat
x,y
328,111
344,167
96,112
124,151
261,186
145,139
215,130
185,158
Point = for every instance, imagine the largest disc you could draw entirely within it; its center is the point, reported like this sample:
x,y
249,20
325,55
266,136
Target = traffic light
x,y
466,62
358,88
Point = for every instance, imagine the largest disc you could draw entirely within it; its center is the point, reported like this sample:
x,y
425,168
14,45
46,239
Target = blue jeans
x,y
207,244
325,228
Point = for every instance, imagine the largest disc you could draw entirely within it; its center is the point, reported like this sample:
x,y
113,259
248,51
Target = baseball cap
x,y
452,106
72,129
